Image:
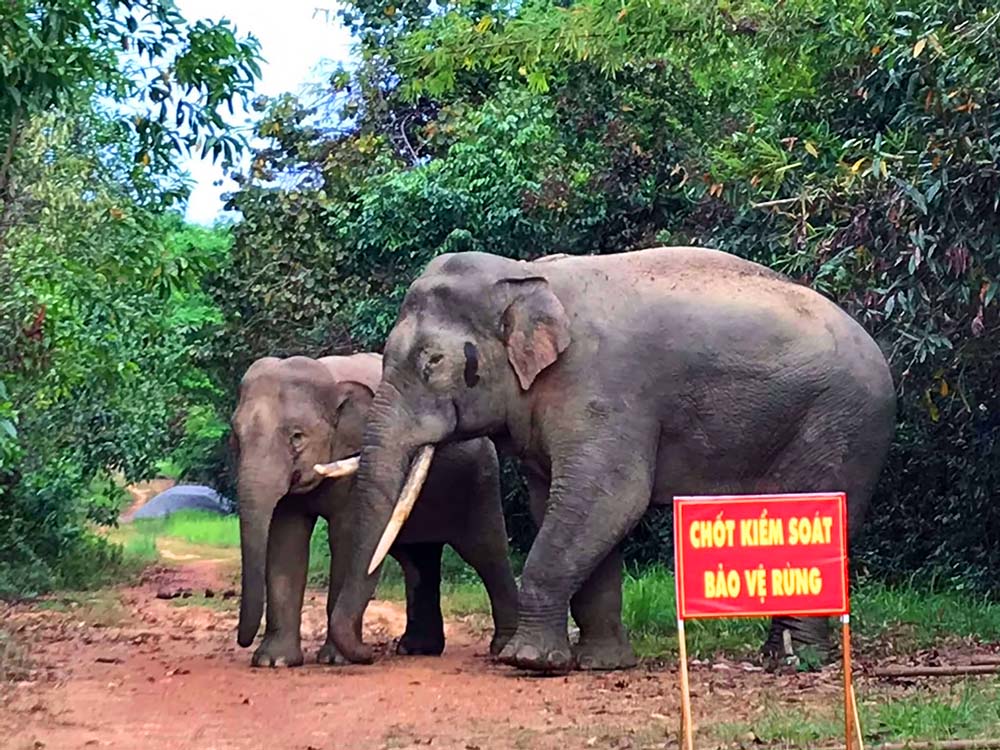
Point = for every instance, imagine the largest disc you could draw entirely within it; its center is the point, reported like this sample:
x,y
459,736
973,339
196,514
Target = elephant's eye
x,y
429,366
297,437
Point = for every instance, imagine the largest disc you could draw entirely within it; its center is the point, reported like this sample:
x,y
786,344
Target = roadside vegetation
x,y
905,617
964,708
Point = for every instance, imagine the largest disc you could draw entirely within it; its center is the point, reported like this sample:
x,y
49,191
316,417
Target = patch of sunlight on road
x,y
178,550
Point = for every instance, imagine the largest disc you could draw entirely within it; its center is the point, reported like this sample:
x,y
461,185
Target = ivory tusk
x,y
343,468
407,498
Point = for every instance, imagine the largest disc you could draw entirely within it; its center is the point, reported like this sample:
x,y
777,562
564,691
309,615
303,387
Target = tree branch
x,y
8,157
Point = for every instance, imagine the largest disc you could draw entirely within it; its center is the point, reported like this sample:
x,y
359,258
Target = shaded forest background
x,y
854,146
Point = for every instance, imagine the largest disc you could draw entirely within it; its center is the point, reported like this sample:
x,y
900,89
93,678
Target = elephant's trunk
x,y
385,460
260,488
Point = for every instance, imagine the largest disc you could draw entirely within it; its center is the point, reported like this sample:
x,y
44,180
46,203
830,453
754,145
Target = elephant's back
x,y
680,297
363,367
680,263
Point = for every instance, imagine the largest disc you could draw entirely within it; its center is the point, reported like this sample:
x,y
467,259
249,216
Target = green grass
x,y
102,608
216,602
195,526
969,709
461,587
140,548
462,592
648,610
911,616
918,615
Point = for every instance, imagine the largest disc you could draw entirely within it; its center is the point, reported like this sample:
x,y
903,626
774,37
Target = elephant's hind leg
x,y
826,456
597,609
421,565
483,545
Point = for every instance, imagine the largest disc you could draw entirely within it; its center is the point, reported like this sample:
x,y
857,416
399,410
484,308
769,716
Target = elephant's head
x,y
474,333
291,415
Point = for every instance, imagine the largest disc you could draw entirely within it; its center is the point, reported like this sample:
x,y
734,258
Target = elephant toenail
x,y
528,654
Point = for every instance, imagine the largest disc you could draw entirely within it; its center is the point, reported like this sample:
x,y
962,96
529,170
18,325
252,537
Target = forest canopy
x,y
854,146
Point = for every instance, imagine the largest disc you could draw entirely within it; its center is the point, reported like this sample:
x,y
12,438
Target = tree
x,y
183,74
851,145
101,313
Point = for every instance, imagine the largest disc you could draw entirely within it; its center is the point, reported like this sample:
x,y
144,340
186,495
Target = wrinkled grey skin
x,y
297,412
621,381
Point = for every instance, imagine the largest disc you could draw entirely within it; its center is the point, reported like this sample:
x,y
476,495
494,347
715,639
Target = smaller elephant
x,y
296,413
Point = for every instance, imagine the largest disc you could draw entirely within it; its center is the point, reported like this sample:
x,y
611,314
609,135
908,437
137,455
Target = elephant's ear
x,y
534,327
352,401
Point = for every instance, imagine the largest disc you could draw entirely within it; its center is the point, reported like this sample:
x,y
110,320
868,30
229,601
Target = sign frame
x,y
852,723
681,501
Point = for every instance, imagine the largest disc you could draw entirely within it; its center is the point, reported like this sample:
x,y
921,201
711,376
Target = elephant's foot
x,y
328,654
604,653
803,644
541,651
419,644
500,639
277,653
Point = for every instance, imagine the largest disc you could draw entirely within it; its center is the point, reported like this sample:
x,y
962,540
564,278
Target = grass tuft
x,y
649,613
969,709
140,548
195,526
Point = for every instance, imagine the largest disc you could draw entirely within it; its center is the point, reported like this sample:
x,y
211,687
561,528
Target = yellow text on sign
x,y
761,532
788,581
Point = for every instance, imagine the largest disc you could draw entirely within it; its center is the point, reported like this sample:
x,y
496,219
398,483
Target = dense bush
x,y
851,145
102,375
101,309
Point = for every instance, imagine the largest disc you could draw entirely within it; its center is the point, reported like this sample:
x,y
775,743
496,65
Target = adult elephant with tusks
x,y
297,424
621,381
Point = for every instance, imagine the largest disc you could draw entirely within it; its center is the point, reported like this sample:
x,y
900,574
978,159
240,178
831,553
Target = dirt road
x,y
130,671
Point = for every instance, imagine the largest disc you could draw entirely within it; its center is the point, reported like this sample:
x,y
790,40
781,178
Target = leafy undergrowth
x,y
969,709
908,616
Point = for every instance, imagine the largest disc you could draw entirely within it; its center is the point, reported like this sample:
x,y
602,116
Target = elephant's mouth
x,y
302,483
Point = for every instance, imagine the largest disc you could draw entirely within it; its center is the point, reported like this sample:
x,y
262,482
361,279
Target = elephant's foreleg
x,y
328,652
421,565
287,564
596,497
483,545
597,609
488,556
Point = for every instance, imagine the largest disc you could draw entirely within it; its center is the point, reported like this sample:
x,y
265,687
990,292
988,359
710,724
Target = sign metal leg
x,y
850,719
687,733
